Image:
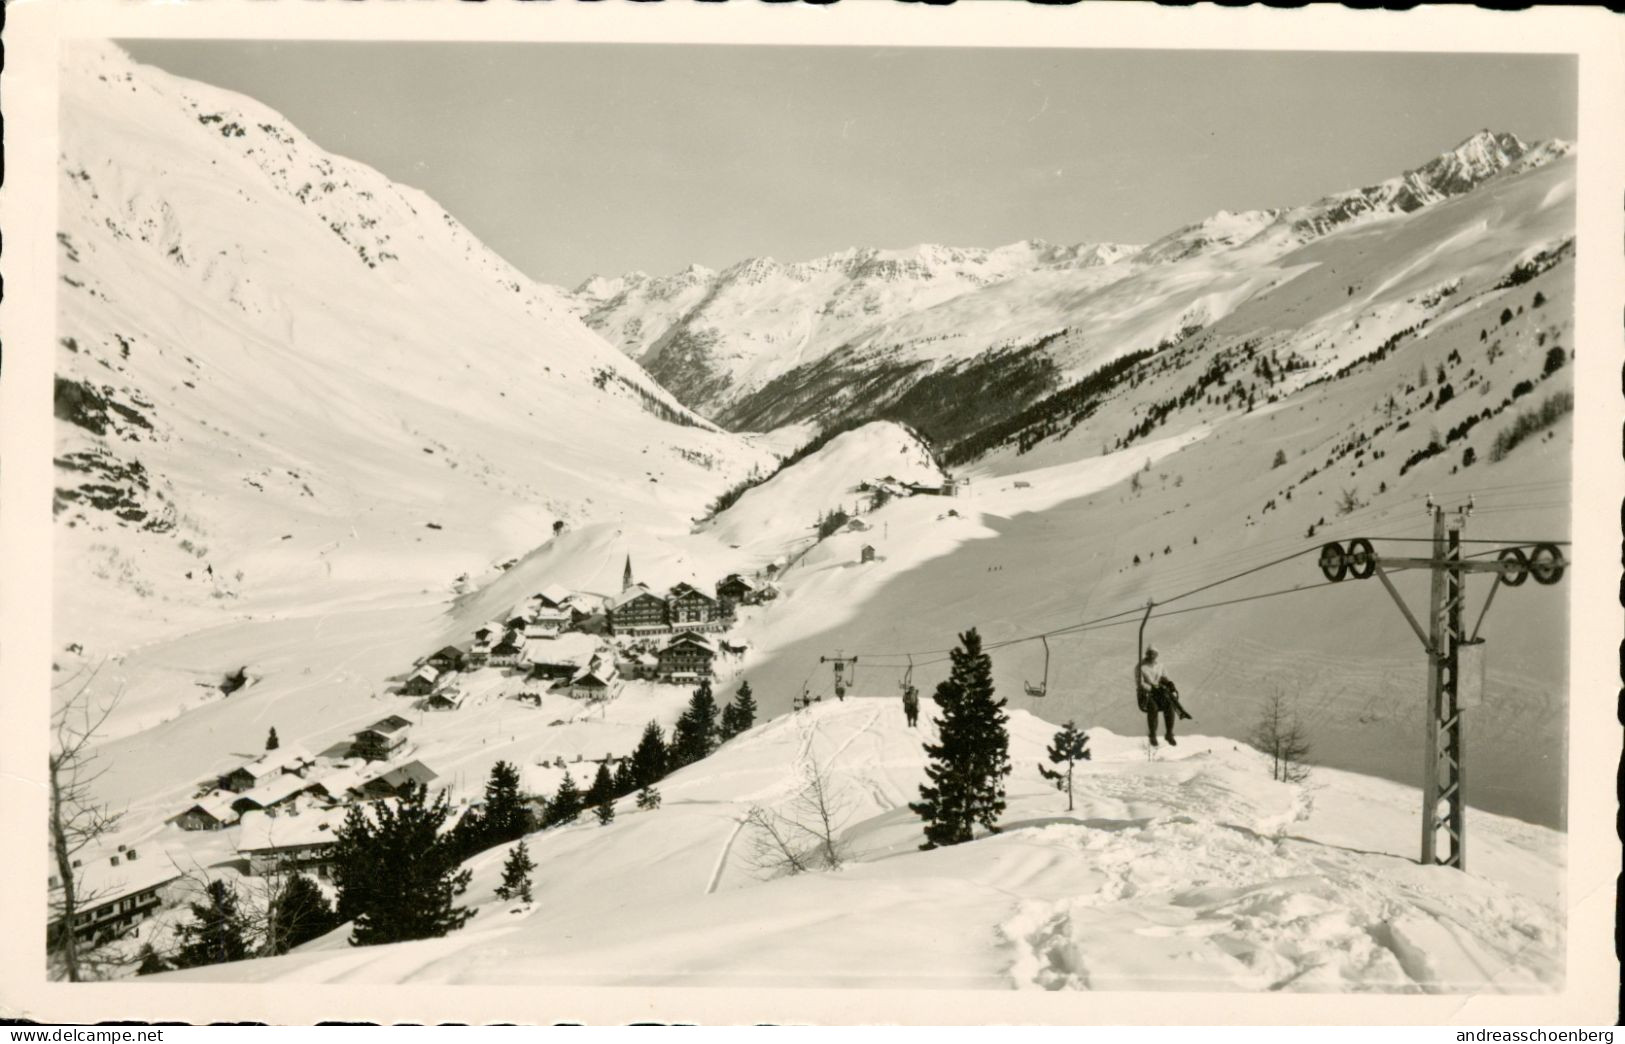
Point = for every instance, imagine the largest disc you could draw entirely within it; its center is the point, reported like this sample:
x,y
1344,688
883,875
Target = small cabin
x,y
447,699
211,813
597,682
735,590
381,740
867,554
393,782
509,651
446,659
289,760
422,682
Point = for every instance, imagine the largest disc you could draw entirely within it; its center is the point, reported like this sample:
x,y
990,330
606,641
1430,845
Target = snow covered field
x,y
1190,872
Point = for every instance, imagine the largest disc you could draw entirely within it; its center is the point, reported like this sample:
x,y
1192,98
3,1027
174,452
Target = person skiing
x,y
911,705
1160,697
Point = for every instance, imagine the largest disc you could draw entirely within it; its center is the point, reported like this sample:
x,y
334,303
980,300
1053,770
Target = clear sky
x,y
573,159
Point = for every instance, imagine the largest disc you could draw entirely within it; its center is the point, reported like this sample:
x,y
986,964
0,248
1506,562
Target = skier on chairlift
x,y
911,705
1161,696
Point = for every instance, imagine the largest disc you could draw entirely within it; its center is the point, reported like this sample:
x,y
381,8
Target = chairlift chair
x,y
1043,686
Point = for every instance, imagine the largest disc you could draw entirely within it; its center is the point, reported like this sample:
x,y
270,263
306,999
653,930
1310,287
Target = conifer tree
x,y
505,817
694,736
603,787
740,714
968,765
151,963
624,783
605,813
299,914
566,804
215,935
398,874
650,758
648,799
271,742
516,874
1069,747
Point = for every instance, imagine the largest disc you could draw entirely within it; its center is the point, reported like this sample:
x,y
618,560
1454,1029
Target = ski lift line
x,y
1091,624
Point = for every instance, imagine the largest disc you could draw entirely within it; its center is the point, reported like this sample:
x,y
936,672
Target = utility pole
x,y
841,677
1455,658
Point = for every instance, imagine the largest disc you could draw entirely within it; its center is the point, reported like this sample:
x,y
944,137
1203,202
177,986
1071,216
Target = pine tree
x,y
740,714
271,742
967,767
605,813
648,799
516,874
694,736
215,933
301,913
566,804
1069,747
650,758
603,787
398,875
505,817
151,963
624,783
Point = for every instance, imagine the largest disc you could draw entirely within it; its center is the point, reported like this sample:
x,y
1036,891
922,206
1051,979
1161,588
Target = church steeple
x,y
626,575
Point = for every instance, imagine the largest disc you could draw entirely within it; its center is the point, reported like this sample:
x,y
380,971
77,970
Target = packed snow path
x,y
1193,871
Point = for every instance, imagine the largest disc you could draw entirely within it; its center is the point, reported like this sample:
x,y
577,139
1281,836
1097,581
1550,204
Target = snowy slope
x,y
283,379
1193,872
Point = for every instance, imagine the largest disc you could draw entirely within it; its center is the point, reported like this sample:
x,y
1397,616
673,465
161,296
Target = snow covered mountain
x,y
714,337
278,369
896,333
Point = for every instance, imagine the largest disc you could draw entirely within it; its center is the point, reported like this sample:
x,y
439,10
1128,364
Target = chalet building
x,y
555,597
596,682
391,783
867,554
381,740
547,623
509,651
211,813
447,699
687,658
515,621
271,795
690,608
125,887
446,660
478,656
289,760
857,525
344,785
489,633
302,843
734,591
637,610
638,665
422,682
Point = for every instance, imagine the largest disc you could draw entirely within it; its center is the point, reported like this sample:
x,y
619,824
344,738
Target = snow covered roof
x,y
574,648
275,790
411,772
427,673
690,637
555,594
106,873
284,759
630,594
217,805
263,832
388,726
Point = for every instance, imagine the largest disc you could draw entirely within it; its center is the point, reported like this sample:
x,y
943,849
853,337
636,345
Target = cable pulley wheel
x,y
1514,566
1334,564
1362,559
1546,564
